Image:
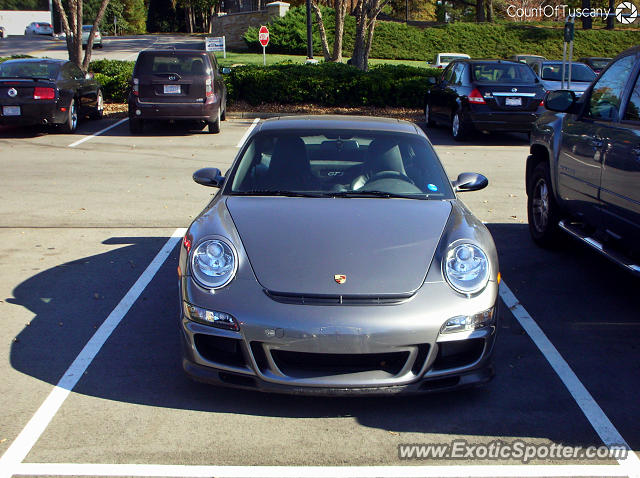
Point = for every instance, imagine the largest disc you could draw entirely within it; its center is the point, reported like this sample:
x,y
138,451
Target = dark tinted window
x,y
29,69
581,73
633,107
448,73
184,65
75,72
336,161
606,96
502,72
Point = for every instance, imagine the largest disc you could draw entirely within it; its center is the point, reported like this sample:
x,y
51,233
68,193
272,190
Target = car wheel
x,y
458,129
214,126
427,116
542,210
136,126
71,121
99,109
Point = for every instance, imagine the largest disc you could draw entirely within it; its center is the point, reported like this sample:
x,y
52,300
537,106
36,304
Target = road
x,y
115,48
78,227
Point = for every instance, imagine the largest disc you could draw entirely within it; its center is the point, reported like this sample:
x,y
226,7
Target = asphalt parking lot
x,y
85,224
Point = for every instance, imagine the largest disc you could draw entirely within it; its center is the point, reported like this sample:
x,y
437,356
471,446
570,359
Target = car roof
x,y
35,60
328,122
559,62
173,50
489,60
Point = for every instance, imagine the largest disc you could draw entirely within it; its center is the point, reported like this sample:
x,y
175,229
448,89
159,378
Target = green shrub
x,y
401,42
112,67
330,84
115,77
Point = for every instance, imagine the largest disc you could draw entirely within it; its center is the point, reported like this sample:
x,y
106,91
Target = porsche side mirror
x,y
209,177
560,101
470,182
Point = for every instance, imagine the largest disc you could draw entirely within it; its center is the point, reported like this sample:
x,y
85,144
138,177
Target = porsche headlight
x,y
213,263
466,268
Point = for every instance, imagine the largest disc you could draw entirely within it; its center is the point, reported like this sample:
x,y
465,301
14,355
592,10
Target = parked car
x,y
337,259
97,36
528,59
595,63
177,85
2,32
551,75
48,92
443,59
486,95
39,28
583,174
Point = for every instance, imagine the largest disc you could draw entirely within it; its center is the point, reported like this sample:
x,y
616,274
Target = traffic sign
x,y
263,36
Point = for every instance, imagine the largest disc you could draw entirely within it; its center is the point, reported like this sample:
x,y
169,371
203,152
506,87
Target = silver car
x,y
39,28
336,258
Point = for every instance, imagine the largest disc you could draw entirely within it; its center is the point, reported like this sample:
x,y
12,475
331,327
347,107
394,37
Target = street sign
x,y
263,36
216,44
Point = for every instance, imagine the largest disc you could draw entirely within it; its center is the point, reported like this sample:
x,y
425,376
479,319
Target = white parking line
x,y
102,131
247,133
481,471
599,421
30,434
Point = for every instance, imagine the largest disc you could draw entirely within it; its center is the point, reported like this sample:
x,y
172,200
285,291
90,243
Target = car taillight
x,y
136,87
40,93
208,87
541,103
476,97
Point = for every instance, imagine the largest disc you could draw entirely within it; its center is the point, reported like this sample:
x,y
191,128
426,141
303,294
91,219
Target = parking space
x,y
80,224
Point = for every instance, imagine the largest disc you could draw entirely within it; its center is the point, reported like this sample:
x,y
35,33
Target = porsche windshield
x,y
340,163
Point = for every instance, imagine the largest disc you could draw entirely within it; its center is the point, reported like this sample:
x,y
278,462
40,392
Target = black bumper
x,y
34,114
521,121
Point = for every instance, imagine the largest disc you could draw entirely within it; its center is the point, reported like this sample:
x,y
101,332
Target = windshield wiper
x,y
275,192
376,194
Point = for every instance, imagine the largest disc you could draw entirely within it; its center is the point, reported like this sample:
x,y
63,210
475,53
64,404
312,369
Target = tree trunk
x,y
610,19
96,22
587,21
357,59
323,33
340,7
480,18
490,11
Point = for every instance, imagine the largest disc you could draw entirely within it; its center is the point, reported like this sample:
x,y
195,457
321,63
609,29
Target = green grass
x,y
234,58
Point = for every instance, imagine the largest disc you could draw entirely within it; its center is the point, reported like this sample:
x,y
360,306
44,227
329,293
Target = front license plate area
x,y
171,89
10,111
513,101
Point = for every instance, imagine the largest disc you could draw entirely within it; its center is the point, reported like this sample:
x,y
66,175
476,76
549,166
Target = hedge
x,y
330,84
394,40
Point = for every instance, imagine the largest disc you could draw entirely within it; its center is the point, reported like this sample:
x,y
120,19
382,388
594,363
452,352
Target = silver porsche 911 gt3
x,y
336,258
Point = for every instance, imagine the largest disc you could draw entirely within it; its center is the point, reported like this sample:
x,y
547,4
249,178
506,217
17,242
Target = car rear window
x,y
183,65
29,70
500,73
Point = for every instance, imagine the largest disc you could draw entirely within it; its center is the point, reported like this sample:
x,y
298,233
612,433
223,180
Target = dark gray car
x,y
336,258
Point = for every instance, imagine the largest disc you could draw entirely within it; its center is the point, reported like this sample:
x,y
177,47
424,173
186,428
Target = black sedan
x,y
47,92
485,95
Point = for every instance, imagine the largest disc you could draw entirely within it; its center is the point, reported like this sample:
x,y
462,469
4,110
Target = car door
x,y
437,93
84,88
582,146
455,89
620,190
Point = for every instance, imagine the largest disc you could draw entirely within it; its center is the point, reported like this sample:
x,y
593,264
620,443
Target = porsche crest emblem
x,y
340,278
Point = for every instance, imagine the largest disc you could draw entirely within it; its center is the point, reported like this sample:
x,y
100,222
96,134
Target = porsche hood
x,y
301,245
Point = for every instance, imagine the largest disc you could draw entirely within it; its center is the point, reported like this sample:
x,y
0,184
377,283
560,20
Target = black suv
x,y
486,95
177,85
583,175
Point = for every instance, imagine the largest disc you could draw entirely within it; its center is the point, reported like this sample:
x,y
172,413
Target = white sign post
x,y
216,44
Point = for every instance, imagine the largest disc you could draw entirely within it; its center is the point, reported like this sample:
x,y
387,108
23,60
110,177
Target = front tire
x,y
427,115
71,121
98,111
542,210
458,128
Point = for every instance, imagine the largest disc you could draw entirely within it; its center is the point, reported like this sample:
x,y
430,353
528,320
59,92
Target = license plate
x,y
171,89
513,101
11,111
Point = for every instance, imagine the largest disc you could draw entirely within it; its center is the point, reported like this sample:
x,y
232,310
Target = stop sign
x,y
263,36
